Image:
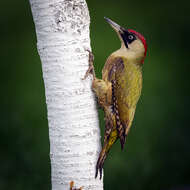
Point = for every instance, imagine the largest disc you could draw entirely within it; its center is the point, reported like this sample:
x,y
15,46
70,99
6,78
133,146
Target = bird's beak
x,y
115,26
119,30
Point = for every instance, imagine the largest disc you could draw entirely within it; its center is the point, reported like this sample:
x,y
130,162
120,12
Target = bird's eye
x,y
130,37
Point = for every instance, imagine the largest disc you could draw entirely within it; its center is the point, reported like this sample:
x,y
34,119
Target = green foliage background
x,y
157,153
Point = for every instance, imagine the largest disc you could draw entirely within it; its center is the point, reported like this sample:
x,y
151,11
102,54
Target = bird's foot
x,y
91,65
72,185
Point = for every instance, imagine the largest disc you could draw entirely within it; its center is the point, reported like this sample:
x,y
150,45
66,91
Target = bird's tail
x,y
103,154
100,162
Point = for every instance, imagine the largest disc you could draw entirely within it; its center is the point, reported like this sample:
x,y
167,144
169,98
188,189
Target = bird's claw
x,y
91,56
91,65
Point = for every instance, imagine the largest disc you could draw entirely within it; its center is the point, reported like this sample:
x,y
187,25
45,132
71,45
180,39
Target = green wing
x,y
126,82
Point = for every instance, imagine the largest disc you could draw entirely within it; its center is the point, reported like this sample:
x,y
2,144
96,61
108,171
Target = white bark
x,y
62,28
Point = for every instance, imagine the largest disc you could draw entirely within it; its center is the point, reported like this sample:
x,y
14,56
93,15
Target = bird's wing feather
x,y
115,73
126,82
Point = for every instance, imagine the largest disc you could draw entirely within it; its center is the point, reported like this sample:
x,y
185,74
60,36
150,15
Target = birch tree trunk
x,y
62,28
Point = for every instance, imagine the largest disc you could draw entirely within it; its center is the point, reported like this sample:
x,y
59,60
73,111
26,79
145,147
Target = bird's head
x,y
132,42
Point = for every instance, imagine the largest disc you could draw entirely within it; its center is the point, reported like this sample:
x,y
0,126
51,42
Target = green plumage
x,y
118,93
120,87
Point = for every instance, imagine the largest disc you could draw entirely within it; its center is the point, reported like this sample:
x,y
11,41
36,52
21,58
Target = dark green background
x,y
157,153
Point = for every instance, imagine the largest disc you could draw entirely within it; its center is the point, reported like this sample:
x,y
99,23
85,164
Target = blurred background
x,y
157,154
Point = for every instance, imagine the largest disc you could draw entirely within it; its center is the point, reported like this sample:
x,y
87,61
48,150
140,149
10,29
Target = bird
x,y
119,89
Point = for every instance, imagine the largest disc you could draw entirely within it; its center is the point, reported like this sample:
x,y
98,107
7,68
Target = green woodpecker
x,y
120,87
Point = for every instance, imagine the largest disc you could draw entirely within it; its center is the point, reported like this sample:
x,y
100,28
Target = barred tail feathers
x,y
103,154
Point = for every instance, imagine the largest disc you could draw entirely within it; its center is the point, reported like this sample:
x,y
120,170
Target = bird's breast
x,y
130,84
